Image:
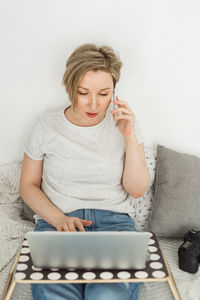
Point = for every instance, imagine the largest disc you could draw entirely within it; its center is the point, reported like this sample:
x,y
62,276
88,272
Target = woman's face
x,y
94,96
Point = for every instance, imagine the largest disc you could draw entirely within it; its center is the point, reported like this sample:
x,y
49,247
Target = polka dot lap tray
x,y
155,270
23,271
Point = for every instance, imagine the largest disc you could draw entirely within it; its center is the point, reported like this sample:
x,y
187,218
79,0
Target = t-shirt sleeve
x,y
138,131
33,146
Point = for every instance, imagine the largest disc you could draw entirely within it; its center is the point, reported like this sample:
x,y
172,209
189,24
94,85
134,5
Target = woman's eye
x,y
86,94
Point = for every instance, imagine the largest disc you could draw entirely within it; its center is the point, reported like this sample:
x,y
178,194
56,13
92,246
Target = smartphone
x,y
114,104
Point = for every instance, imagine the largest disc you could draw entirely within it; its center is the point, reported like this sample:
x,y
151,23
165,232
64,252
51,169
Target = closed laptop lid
x,y
89,250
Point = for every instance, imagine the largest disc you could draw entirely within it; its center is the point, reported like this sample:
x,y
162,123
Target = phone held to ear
x,y
115,106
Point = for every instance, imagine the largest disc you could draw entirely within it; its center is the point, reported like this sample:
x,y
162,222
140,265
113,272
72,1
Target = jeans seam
x,y
95,219
134,292
43,294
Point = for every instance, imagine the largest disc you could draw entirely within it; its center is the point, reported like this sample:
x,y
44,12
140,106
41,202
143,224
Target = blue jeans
x,y
102,220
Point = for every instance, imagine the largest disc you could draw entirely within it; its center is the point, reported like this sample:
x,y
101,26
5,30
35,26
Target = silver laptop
x,y
89,250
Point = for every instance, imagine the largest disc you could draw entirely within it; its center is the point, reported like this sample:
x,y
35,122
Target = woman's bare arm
x,y
35,198
30,183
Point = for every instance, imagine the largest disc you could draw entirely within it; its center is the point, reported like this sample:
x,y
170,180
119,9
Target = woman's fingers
x,y
60,228
71,223
71,226
123,110
79,225
86,222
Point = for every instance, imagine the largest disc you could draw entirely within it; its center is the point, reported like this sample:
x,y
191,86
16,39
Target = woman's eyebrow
x,y
88,89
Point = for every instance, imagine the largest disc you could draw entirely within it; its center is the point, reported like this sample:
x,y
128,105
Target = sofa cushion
x,y
176,199
27,213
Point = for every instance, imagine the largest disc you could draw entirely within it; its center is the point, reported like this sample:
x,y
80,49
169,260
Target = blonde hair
x,y
89,57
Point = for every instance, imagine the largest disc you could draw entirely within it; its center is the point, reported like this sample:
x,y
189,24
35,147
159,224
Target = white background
x,y
158,42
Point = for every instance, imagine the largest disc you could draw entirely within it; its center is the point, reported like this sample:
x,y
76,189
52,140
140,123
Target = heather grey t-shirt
x,y
82,166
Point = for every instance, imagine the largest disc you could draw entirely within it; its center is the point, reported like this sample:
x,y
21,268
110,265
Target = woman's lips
x,y
91,115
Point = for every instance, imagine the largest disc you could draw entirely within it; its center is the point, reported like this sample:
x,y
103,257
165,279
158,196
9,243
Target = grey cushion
x,y
176,199
27,213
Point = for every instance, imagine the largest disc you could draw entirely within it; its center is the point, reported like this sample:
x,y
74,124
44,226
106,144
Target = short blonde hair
x,y
89,57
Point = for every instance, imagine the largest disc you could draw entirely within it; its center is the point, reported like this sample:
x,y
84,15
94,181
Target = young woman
x,y
80,168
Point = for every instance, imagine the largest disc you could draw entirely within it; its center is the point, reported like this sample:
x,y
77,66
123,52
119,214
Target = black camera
x,y
189,252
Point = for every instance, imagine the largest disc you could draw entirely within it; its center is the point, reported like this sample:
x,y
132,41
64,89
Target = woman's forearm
x,y
136,177
36,199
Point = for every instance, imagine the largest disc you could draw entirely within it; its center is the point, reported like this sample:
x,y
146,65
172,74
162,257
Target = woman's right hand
x,y
69,223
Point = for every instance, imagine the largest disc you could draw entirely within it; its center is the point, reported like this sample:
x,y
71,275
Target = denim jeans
x,y
102,220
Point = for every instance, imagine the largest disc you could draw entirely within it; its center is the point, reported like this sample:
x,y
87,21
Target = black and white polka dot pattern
x,y
155,268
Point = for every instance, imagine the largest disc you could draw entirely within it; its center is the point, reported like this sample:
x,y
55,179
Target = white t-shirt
x,y
82,166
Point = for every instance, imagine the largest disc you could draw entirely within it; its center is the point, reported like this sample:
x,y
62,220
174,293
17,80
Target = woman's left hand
x,y
126,121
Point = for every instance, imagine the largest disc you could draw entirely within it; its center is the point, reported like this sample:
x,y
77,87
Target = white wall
x,y
158,42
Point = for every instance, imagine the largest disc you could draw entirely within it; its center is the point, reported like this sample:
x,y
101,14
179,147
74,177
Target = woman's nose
x,y
93,104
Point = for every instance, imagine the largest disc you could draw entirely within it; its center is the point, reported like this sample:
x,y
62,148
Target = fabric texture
x,y
27,213
176,201
82,166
